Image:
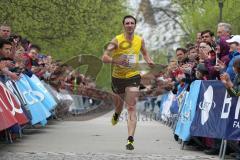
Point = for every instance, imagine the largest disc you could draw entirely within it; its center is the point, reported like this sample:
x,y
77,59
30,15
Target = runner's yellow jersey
x,y
130,51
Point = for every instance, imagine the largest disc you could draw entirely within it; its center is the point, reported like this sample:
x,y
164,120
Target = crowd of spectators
x,y
210,57
19,55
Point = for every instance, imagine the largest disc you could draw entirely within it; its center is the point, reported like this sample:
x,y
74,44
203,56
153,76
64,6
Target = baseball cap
x,y
235,38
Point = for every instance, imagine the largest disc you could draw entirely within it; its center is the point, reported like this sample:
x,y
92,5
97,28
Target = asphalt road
x,y
98,139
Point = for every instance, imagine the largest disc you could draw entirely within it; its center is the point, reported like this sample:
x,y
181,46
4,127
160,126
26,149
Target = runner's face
x,y
129,25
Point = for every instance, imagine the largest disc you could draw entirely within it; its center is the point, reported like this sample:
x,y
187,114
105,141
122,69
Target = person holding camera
x,y
6,61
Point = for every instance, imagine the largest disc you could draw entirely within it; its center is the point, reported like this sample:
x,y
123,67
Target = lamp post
x,y
220,4
169,56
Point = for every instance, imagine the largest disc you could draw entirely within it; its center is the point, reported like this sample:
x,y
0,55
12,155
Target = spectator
x,y
34,54
25,44
204,49
5,31
222,49
181,56
5,51
234,54
208,36
198,38
202,72
224,30
193,55
208,57
32,58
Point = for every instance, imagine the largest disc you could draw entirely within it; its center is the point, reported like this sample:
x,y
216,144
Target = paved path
x,y
97,139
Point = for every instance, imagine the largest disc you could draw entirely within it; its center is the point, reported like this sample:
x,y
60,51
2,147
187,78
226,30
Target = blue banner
x,y
33,99
179,99
165,106
163,100
217,114
188,111
48,100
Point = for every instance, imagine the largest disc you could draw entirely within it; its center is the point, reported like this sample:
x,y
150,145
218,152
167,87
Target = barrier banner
x,y
163,99
179,99
6,118
33,99
165,108
217,114
188,111
48,100
12,87
10,103
16,93
174,108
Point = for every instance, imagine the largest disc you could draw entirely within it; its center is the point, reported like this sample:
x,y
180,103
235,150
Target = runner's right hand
x,y
121,61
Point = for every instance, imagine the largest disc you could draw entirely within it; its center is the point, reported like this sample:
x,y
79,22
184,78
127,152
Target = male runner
x,y
123,54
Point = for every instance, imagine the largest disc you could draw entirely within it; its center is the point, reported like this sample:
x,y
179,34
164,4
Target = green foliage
x,y
65,28
160,57
199,15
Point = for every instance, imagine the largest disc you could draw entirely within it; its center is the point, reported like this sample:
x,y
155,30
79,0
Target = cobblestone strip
x,y
95,156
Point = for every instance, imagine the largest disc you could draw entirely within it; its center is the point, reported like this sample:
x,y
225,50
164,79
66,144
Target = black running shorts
x,y
119,84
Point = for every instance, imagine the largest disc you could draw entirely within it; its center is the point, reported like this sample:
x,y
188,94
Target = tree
x,y
199,15
65,28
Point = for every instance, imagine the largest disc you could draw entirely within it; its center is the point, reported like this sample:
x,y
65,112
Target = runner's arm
x,y
107,57
145,54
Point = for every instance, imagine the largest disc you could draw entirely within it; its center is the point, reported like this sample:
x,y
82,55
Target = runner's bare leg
x,y
118,102
131,98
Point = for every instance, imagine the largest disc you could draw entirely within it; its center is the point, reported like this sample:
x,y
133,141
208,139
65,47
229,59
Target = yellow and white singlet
x,y
130,51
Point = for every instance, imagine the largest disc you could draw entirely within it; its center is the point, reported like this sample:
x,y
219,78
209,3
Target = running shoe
x,y
129,145
115,119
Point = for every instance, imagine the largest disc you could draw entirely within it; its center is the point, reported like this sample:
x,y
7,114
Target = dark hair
x,y
202,69
189,45
34,46
25,41
129,16
207,31
208,43
190,48
181,49
14,36
3,42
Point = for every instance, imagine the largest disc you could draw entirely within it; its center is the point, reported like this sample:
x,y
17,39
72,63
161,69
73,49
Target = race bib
x,y
132,59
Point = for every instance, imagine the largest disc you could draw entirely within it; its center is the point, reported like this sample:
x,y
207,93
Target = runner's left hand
x,y
151,64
